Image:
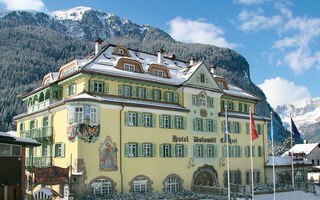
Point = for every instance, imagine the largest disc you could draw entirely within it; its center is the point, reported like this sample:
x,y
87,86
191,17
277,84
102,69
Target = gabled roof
x,y
302,148
10,139
285,161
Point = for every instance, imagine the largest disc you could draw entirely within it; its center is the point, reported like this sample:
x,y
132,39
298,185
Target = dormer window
x,y
220,84
158,73
202,78
121,52
129,67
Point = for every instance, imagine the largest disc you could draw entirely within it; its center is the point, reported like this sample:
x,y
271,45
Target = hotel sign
x,y
195,139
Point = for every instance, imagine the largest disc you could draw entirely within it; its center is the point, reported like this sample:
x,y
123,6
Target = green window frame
x,y
156,95
72,89
202,78
179,151
59,150
211,102
167,150
194,100
141,92
131,149
198,151
198,124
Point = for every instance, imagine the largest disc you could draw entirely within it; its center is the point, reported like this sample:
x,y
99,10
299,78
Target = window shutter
x,y
148,93
175,97
239,127
222,104
120,90
106,88
247,128
153,94
224,151
184,123
160,95
195,151
126,118
240,107
161,150
172,122
68,90
166,97
48,150
194,124
154,150
215,125
176,149
140,119
172,150
185,150
41,149
139,149
253,151
126,150
62,150
232,106
205,124
161,121
204,148
154,120
202,124
134,91
215,151
91,86
240,151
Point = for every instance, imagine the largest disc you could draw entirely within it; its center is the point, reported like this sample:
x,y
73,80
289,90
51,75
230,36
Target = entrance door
x,y
204,178
14,192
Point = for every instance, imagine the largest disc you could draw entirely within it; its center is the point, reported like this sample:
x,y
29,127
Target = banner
x,y
51,175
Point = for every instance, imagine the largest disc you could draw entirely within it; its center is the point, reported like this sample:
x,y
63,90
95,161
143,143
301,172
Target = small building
x,y
311,151
283,169
12,168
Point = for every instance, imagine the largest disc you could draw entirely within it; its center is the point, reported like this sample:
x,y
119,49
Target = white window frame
x,y
141,93
166,150
210,125
179,122
103,187
198,124
158,73
202,100
66,191
179,152
147,120
202,78
58,150
147,149
98,87
78,114
132,150
120,52
172,184
140,184
199,151
169,97
93,115
132,119
210,151
157,95
129,67
166,121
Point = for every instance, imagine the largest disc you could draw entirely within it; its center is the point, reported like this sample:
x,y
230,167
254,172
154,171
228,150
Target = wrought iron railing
x,y
43,161
41,134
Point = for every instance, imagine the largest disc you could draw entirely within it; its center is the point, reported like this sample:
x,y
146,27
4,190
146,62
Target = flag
x,y
226,132
295,131
254,133
275,130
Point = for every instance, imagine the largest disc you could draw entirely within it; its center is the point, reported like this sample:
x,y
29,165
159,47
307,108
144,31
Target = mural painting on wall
x,y
81,123
108,156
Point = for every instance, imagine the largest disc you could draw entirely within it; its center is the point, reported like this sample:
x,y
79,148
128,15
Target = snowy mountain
x,y
306,115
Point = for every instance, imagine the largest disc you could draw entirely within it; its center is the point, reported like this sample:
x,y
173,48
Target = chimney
x,y
213,69
97,45
306,141
173,56
191,60
160,56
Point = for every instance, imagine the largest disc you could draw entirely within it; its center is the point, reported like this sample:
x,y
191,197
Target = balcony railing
x,y
44,161
39,106
42,134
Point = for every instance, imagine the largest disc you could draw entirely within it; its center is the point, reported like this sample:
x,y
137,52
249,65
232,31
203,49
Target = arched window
x,y
172,184
47,95
101,187
140,184
41,97
35,100
202,100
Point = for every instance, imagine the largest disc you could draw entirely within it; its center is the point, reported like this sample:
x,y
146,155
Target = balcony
x,y
44,161
42,134
39,106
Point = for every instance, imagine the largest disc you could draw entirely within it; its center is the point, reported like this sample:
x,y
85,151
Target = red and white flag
x,y
254,133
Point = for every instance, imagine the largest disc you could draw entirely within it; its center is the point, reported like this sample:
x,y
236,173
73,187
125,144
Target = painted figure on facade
x,y
108,156
86,130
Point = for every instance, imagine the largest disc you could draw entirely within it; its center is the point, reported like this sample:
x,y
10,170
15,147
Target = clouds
x,y
295,35
280,91
248,2
37,5
198,31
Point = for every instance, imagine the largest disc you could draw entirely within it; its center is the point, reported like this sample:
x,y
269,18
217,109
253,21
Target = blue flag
x,y
226,133
295,132
275,131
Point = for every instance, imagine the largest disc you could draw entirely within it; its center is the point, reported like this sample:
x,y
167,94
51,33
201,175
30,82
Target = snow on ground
x,y
289,196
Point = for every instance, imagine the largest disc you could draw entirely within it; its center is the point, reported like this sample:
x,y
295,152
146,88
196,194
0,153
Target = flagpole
x,y
251,152
228,167
274,174
292,153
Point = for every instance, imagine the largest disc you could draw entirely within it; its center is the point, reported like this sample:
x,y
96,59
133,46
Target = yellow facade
x,y
106,135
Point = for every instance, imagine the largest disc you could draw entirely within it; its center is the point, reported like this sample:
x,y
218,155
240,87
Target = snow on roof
x,y
245,115
236,91
106,62
55,76
12,139
285,161
302,148
130,101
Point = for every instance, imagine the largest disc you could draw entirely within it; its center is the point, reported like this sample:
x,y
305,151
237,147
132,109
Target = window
x,y
127,91
45,150
169,96
132,119
147,150
141,92
198,151
147,120
72,89
93,115
211,103
202,100
33,124
236,151
66,191
158,73
259,151
247,128
248,151
166,121
132,150
45,121
129,67
198,125
120,52
4,150
172,184
246,108
202,78
210,125
140,184
98,87
179,150
101,187
58,150
220,84
210,151
236,127
179,122
194,100
248,178
78,114
166,150
156,95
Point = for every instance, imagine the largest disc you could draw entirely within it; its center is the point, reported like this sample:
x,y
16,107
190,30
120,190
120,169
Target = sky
x,y
279,38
